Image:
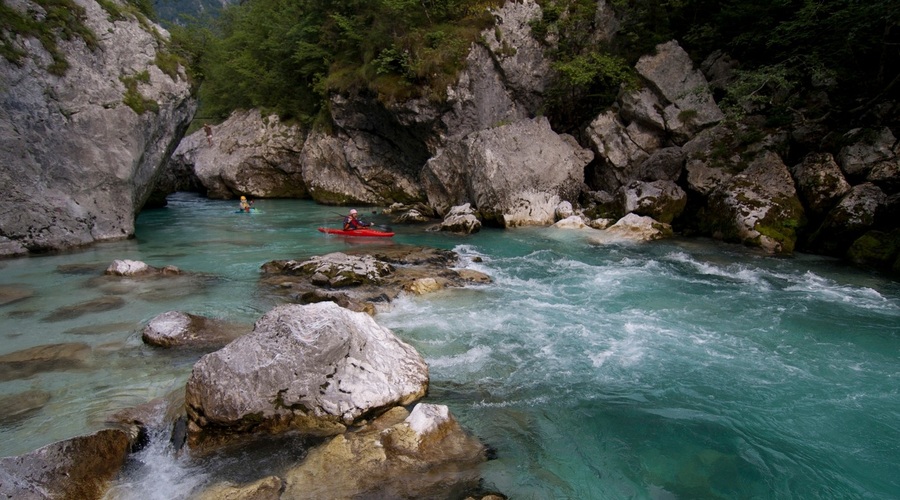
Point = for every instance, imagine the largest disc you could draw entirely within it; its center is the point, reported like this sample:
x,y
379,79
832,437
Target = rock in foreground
x,y
316,369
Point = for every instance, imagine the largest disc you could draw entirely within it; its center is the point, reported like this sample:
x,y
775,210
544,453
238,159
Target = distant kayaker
x,y
245,205
351,222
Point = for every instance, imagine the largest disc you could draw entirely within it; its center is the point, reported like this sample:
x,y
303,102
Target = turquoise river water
x,y
677,369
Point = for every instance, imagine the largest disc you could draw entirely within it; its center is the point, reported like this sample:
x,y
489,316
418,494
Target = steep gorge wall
x,y
76,162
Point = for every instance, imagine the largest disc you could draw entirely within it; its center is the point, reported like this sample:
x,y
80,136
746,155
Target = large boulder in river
x,y
247,154
85,127
513,174
854,215
758,207
316,369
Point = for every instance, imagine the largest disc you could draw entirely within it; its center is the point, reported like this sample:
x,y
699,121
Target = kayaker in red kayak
x,y
351,222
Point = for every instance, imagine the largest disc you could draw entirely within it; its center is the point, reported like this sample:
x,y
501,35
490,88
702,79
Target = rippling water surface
x,y
678,369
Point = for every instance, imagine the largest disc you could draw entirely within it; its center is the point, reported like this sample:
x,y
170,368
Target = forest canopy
x,y
286,56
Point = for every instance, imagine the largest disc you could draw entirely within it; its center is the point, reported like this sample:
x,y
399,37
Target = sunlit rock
x,y
315,368
387,460
639,228
571,222
423,286
267,488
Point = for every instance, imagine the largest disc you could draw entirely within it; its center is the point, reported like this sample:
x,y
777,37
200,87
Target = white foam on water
x,y
472,359
819,288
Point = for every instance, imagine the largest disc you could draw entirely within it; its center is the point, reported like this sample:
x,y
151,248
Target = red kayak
x,y
357,232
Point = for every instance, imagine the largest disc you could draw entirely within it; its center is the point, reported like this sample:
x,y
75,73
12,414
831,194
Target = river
x,y
674,369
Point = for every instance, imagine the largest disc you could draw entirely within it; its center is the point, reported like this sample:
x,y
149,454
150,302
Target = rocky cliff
x,y
80,151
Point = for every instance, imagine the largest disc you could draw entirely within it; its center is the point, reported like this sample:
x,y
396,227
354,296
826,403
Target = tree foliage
x,y
286,55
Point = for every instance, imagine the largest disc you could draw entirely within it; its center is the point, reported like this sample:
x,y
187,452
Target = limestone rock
x,y
639,228
672,73
80,467
370,158
247,154
571,222
868,149
661,200
315,368
267,488
180,329
758,207
849,219
136,268
526,72
77,162
387,460
424,286
342,270
820,182
514,174
461,219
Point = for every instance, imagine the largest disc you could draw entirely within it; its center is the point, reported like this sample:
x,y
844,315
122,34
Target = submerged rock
x,y
101,304
20,406
316,369
13,293
43,358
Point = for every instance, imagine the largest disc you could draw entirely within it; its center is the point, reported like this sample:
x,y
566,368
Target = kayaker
x,y
245,205
351,222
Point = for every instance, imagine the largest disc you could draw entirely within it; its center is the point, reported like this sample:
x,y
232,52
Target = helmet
x,y
353,211
243,198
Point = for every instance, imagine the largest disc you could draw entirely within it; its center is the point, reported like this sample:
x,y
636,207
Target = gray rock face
x,y
849,219
180,329
820,182
661,200
758,207
461,219
370,158
671,73
247,154
75,468
314,368
521,58
870,147
76,162
514,174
